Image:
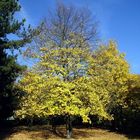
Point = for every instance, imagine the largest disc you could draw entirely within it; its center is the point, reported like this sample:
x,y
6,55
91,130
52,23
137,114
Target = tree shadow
x,y
6,131
128,134
42,131
131,135
46,132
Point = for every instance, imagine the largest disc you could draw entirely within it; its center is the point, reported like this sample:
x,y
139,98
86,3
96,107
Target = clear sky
x,y
118,20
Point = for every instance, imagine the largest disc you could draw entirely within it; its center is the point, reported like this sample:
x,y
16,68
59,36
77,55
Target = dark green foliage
x,y
132,111
9,68
127,116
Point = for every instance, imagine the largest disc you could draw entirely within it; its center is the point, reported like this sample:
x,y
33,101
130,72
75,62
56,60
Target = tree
x,y
70,78
9,68
67,30
60,85
111,67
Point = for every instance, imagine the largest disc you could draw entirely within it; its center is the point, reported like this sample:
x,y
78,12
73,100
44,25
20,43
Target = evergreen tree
x,y
9,68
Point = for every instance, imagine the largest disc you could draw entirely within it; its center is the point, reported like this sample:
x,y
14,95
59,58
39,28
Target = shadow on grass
x,y
6,131
33,132
131,135
45,132
128,134
38,131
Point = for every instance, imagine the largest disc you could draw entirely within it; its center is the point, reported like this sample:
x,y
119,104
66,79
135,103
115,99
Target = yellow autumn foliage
x,y
74,81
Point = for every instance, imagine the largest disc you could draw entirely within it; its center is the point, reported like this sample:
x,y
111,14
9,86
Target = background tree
x,y
111,66
9,68
131,108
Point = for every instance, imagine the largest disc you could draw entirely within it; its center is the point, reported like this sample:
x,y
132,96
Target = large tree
x,y
64,32
9,68
59,85
70,77
75,81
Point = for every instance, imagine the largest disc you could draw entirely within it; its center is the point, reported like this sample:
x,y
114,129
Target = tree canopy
x,y
74,81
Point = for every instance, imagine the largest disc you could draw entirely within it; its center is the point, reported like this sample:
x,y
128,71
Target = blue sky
x,y
118,20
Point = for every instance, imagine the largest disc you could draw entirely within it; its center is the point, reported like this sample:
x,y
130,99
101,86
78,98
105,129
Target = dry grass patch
x,y
45,132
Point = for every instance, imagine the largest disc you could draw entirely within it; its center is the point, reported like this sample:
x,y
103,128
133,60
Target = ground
x,y
45,132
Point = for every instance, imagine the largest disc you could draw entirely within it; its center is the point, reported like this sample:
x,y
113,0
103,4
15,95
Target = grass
x,y
45,132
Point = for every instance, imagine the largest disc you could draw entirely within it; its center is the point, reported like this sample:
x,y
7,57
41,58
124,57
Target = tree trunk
x,y
53,125
69,127
30,122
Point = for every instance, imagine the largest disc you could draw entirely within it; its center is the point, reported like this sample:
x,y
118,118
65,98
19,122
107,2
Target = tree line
x,y
73,76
